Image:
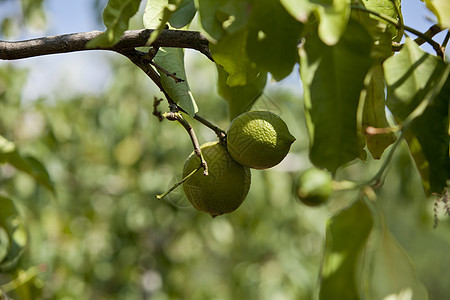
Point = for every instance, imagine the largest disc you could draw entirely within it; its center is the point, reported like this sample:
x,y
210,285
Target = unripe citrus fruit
x,y
258,139
314,187
224,188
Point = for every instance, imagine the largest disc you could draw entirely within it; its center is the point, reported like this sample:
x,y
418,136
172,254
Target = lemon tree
x,y
224,188
356,61
259,139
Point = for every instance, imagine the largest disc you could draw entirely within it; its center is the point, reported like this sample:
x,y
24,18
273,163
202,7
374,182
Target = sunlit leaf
x,y
386,8
273,36
346,236
172,60
115,17
393,273
334,16
231,54
157,14
374,112
299,9
381,36
184,14
441,9
333,77
240,98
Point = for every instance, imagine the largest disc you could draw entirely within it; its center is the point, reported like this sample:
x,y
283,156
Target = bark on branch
x,y
77,42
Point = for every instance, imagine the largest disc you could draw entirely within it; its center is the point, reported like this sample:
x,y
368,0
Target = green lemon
x,y
314,187
258,139
224,188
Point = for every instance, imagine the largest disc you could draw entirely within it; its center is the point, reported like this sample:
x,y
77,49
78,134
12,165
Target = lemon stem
x,y
194,140
159,197
221,134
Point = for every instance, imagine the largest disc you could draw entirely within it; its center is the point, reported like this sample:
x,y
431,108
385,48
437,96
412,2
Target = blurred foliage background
x,y
103,235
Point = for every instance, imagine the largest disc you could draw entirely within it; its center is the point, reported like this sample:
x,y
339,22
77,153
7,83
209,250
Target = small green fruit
x,y
314,187
259,139
225,187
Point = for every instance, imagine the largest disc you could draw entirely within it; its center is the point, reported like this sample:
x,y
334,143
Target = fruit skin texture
x,y
314,187
258,139
225,187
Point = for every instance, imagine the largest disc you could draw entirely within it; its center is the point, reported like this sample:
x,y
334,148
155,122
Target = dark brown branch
x,y
141,60
77,42
431,32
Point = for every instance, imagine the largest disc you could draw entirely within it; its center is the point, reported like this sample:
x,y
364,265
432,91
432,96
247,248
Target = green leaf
x,y
409,77
154,13
387,8
240,98
393,274
412,77
222,17
157,14
334,16
184,14
115,17
172,60
231,54
374,112
273,36
381,36
333,77
299,9
441,9
428,140
35,169
346,236
30,165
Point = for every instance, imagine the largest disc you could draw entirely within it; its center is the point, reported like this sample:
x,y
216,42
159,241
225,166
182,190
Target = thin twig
x,y
221,134
156,112
167,73
175,116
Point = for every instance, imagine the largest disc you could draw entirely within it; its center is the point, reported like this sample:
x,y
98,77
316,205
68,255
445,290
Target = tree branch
x,y
431,32
77,42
